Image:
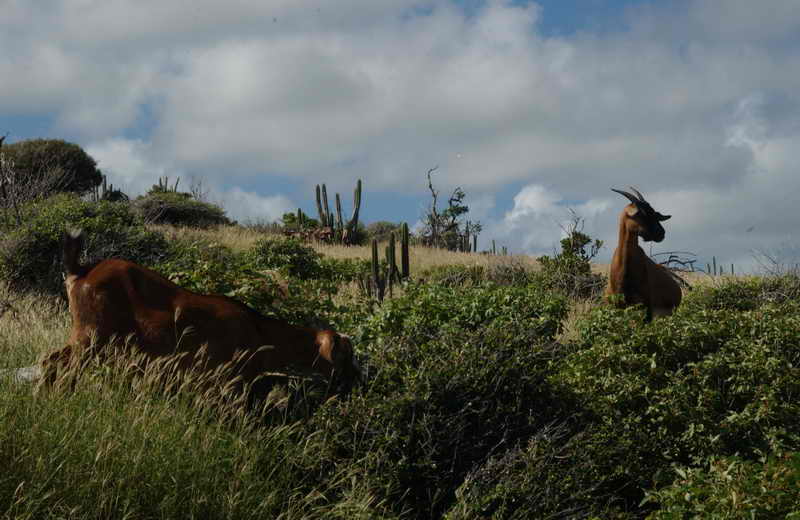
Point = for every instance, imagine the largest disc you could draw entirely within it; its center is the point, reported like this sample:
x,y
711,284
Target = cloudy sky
x,y
532,107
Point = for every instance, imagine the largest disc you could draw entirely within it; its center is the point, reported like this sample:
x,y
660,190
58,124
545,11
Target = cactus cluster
x,y
382,277
343,232
106,191
163,185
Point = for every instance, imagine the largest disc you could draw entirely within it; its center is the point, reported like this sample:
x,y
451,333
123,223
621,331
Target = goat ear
x,y
631,210
662,218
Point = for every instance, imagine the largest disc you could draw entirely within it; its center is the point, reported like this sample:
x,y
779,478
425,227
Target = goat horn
x,y
637,193
628,195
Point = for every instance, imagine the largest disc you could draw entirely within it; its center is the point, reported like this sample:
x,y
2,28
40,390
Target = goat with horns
x,y
115,299
633,274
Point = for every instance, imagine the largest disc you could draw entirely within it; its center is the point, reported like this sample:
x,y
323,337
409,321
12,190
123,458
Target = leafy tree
x,y
52,165
571,269
381,230
447,229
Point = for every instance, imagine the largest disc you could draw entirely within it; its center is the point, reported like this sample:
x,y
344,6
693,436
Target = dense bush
x,y
428,311
289,255
453,275
179,209
381,231
570,270
701,383
30,255
53,165
210,268
731,487
534,481
735,294
443,396
278,277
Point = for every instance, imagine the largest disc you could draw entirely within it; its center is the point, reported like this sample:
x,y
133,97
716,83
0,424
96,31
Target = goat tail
x,y
71,250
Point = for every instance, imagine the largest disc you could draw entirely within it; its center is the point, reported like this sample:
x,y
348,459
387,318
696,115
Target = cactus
x,y
339,221
494,249
377,277
474,243
322,217
404,252
343,232
352,224
106,191
164,185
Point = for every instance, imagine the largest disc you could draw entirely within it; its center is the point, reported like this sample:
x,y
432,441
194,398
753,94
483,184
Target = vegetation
x,y
30,254
570,271
166,205
476,404
448,228
51,165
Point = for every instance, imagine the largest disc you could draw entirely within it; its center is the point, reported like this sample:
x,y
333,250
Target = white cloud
x,y
248,206
128,163
539,219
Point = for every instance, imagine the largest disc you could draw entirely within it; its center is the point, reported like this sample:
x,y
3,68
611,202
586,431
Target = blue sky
x,y
532,107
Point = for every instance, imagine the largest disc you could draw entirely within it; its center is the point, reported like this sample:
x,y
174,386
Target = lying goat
x,y
120,299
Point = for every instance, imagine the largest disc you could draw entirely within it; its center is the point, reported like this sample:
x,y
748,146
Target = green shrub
x,y
30,255
343,270
570,270
454,275
381,230
744,295
434,410
53,165
281,278
455,375
289,255
732,487
428,311
551,475
703,382
179,209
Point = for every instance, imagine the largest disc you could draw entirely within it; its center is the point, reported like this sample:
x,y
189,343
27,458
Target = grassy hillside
x,y
490,393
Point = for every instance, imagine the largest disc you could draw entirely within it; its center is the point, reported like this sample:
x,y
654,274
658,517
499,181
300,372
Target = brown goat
x,y
633,274
119,299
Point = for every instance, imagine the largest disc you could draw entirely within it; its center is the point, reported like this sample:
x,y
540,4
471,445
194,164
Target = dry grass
x,y
421,258
235,237
30,324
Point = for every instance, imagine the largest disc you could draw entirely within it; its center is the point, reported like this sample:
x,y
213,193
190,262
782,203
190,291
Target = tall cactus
x,y
325,206
322,216
377,277
339,222
352,224
404,265
391,264
344,232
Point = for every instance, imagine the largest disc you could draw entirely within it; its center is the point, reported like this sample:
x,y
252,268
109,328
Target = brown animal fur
x,y
633,274
118,299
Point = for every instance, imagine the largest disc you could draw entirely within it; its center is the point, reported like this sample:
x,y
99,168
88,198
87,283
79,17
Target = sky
x,y
533,108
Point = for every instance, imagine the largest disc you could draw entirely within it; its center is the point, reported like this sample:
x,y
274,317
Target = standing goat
x,y
633,274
